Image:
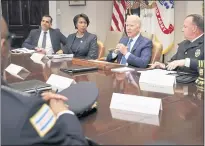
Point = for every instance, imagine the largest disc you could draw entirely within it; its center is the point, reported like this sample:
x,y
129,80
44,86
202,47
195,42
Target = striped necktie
x,y
44,40
123,60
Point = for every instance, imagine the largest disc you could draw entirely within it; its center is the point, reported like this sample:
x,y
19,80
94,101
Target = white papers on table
x,y
60,82
18,71
158,72
22,50
59,56
122,69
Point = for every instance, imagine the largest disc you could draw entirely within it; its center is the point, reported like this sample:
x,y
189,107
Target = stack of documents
x,y
122,69
22,50
158,72
59,56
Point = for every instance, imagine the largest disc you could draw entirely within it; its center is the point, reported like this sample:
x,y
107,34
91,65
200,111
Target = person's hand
x,y
158,65
47,96
174,64
59,52
58,106
122,48
40,50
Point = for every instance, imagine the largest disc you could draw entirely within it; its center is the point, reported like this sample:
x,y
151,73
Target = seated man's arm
x,y
28,42
194,64
66,48
144,59
42,127
62,38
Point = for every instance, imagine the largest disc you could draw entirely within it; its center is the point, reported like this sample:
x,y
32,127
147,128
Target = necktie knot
x,y
130,41
45,32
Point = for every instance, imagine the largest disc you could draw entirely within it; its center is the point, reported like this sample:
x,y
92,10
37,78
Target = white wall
x,y
99,13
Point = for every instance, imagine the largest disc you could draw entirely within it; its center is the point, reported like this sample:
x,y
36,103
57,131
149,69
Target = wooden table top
x,y
180,122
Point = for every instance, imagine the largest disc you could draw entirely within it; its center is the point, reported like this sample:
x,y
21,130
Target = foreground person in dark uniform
x,y
29,120
191,49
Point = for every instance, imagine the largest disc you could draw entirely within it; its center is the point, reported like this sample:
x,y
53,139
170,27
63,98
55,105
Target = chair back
x,y
112,39
156,52
101,49
156,49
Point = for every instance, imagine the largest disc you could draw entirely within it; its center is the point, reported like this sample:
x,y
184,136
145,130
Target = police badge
x,y
197,53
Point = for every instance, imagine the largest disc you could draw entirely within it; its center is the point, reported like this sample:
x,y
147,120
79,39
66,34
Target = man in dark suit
x,y
35,120
190,50
134,50
45,40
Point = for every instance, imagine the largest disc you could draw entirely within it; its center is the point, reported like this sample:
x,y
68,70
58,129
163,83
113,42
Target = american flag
x,y
118,15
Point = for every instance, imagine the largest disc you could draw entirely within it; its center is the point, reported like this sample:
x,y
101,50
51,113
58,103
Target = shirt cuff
x,y
187,62
65,112
127,55
114,55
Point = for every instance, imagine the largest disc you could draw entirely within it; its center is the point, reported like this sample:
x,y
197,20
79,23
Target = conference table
x,y
181,121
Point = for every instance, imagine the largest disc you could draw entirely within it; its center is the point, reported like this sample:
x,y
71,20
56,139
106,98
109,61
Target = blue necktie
x,y
123,60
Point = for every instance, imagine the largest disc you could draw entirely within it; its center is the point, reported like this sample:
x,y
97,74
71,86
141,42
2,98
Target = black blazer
x,y
56,39
17,125
194,51
88,49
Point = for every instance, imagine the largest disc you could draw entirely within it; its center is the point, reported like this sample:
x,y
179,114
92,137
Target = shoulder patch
x,y
43,120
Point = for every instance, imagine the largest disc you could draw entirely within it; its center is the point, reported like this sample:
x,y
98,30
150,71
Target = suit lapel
x,y
38,33
137,43
51,36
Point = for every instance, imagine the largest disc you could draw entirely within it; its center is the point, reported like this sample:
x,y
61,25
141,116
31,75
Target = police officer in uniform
x,y
191,49
30,120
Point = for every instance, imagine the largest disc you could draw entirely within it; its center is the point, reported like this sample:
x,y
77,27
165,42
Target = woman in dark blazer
x,y
82,43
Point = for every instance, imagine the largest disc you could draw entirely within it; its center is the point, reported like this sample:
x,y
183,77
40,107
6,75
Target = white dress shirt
x,y
65,112
49,47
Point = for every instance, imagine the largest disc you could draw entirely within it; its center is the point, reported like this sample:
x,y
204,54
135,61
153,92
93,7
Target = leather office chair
x,y
101,49
112,39
156,49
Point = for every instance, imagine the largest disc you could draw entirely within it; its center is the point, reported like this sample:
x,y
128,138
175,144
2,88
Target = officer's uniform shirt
x,y
191,50
28,120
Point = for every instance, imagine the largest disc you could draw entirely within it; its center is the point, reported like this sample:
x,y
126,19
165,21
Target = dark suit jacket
x,y
16,122
56,39
141,52
88,49
194,51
